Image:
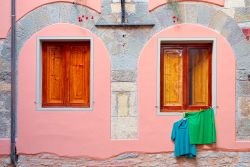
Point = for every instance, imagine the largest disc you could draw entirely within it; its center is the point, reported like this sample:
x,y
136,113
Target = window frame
x,y
187,41
39,79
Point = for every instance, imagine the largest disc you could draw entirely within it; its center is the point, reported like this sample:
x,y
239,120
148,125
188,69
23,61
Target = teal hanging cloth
x,y
202,126
180,136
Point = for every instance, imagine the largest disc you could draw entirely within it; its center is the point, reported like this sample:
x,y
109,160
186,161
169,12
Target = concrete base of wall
x,y
204,158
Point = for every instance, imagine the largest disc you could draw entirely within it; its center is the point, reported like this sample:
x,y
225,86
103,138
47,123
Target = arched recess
x,y
225,94
58,19
213,18
67,127
47,19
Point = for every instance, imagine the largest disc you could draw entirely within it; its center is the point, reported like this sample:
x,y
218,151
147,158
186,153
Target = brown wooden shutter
x,y
53,75
78,66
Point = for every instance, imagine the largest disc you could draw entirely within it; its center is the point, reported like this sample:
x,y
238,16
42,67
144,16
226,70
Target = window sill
x,y
65,109
169,112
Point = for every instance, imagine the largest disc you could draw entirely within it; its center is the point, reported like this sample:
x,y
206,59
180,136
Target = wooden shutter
x,y
186,76
79,74
66,74
199,76
171,77
53,75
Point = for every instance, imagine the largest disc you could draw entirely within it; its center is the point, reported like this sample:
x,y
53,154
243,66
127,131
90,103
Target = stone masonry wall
x,y
121,44
204,158
5,88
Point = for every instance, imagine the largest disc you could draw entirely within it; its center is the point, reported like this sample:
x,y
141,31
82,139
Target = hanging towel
x,y
180,136
202,127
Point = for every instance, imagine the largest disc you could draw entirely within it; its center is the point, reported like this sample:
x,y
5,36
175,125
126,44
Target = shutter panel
x,y
171,77
53,79
199,77
79,74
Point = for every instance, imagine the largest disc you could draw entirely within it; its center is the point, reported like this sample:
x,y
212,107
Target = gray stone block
x,y
25,25
232,32
4,123
124,62
241,48
99,31
119,47
191,12
124,76
39,19
243,88
89,23
244,106
68,13
243,129
144,33
123,86
218,21
127,156
180,11
242,14
5,76
157,27
114,106
247,3
164,16
244,157
106,8
242,74
243,61
5,100
205,14
53,11
124,128
141,8
5,53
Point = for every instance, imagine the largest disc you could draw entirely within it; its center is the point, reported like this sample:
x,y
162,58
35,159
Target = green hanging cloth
x,y
201,127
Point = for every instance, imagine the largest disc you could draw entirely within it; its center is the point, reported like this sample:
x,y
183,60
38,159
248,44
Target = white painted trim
x,y
39,73
214,69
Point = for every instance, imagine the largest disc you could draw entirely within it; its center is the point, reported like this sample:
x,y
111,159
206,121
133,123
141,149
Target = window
x,y
185,76
65,74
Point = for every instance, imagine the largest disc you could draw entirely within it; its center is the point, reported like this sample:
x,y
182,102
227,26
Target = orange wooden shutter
x,y
171,77
78,74
53,75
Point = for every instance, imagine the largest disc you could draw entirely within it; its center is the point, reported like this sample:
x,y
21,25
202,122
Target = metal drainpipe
x,y
13,84
123,11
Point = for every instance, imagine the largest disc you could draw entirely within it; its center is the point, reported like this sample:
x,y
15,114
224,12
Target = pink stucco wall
x,y
4,146
25,6
154,4
71,133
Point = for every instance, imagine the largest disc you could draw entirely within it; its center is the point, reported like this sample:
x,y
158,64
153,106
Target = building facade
x,y
90,83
